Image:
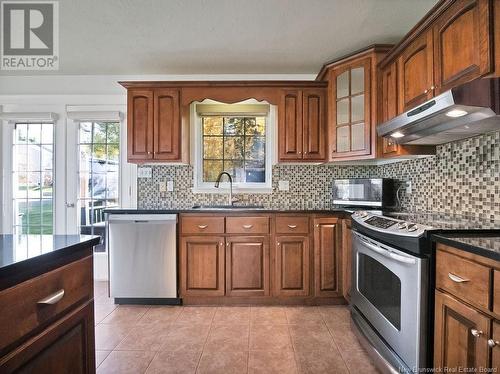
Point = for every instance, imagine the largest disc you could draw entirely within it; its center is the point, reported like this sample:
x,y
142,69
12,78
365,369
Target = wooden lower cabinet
x,y
326,257
202,266
346,258
247,266
67,346
460,335
292,266
495,345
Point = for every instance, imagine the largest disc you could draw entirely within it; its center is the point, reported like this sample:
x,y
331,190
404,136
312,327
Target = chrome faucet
x,y
230,185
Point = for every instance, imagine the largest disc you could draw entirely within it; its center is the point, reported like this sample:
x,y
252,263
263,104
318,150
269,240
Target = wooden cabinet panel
x,y
465,279
247,225
389,103
346,258
495,350
67,346
292,266
26,314
140,125
415,72
247,266
326,257
202,266
314,124
462,46
455,343
496,292
202,225
290,125
167,125
292,225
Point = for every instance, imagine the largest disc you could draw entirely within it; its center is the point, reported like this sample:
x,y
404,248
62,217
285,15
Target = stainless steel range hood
x,y
464,111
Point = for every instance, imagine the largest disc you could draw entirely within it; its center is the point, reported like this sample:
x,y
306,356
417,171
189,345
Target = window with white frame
x,y
98,175
33,178
235,141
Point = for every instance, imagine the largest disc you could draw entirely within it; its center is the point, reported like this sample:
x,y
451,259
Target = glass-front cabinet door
x,y
350,119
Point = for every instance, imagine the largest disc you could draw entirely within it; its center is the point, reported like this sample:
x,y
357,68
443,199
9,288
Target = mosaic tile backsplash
x,y
462,178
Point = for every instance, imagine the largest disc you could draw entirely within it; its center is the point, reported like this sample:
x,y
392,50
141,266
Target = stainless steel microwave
x,y
368,192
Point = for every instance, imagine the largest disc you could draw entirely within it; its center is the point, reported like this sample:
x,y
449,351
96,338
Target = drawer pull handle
x,y
52,299
247,226
493,343
292,226
476,333
456,278
203,227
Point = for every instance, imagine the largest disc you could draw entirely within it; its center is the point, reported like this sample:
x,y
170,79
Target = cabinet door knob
x,y
432,87
221,243
278,243
426,91
476,333
493,343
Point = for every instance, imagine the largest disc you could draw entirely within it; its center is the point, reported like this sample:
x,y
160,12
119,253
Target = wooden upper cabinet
x,y
314,124
139,125
415,72
462,45
154,125
167,125
247,266
460,335
302,125
292,266
202,266
350,103
290,125
327,244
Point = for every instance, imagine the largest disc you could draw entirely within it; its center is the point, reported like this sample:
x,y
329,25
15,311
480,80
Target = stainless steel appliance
x,y
468,110
143,258
366,192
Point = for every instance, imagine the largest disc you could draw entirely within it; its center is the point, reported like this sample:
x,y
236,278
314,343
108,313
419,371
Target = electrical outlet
x,y
408,187
284,185
144,172
170,186
162,186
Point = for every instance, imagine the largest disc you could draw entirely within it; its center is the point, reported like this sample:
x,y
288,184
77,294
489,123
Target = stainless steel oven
x,y
390,298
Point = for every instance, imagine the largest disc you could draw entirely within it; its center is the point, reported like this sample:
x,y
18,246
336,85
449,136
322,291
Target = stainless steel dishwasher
x,y
143,258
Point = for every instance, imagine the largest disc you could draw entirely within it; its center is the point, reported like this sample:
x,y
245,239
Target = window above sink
x,y
236,138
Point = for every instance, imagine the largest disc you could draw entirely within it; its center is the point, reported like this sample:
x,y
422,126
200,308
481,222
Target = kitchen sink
x,y
228,207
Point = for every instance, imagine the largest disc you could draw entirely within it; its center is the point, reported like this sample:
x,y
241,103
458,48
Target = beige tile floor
x,y
220,340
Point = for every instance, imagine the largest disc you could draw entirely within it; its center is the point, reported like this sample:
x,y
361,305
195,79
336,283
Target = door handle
x,y
247,226
202,226
70,205
386,253
292,226
457,279
52,299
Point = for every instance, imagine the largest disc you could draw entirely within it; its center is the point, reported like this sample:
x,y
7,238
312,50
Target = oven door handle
x,y
386,253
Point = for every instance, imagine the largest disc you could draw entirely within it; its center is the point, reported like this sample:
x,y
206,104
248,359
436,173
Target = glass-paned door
x,y
98,175
33,178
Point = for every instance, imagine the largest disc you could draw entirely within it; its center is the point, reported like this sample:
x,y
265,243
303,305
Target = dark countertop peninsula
x,y
26,256
243,210
482,244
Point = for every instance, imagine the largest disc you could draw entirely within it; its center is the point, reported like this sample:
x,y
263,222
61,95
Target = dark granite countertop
x,y
228,210
26,256
483,244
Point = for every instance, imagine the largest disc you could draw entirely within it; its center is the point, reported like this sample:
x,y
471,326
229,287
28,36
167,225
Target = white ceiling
x,y
223,36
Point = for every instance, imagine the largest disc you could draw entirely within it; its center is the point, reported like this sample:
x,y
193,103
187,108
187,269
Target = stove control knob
x,y
363,214
412,227
402,225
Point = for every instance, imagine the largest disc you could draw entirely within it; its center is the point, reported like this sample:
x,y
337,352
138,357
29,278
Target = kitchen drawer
x,y
202,225
247,225
22,307
467,280
292,225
